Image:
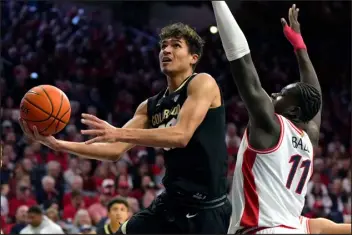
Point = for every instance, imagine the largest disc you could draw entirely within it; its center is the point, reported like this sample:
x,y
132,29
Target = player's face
x,y
34,219
284,101
175,57
119,213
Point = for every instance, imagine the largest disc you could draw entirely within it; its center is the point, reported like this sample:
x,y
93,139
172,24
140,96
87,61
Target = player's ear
x,y
194,59
294,112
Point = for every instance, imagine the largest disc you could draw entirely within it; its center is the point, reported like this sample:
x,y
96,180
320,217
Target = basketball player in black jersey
x,y
187,119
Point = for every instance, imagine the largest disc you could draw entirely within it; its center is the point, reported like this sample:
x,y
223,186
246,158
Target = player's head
x,y
299,102
35,216
180,48
118,210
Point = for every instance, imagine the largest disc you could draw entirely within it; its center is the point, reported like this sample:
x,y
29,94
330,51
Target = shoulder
x,y
100,230
26,230
203,82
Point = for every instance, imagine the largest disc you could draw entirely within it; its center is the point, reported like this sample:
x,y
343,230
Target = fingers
x,y
95,140
93,132
294,13
36,133
91,117
25,128
283,22
92,123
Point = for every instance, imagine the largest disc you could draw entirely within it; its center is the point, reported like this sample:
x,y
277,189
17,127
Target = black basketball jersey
x,y
199,170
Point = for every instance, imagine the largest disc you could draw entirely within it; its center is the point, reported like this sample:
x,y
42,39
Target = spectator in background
x,y
72,171
54,170
118,213
83,221
158,168
76,185
133,206
88,181
21,221
53,215
38,223
316,191
4,209
23,197
98,211
76,204
48,191
232,139
337,197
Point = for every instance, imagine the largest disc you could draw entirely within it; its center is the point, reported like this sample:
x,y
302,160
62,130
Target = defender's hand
x,y
293,32
48,141
102,129
293,19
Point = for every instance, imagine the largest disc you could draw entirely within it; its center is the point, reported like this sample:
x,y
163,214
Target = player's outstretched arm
x,y
257,101
98,151
306,69
201,92
325,226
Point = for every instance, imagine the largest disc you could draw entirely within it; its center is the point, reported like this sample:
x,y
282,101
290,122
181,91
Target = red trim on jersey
x,y
250,216
273,149
312,165
307,225
257,229
298,130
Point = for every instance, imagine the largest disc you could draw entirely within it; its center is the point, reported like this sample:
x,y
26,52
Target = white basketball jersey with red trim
x,y
269,186
304,224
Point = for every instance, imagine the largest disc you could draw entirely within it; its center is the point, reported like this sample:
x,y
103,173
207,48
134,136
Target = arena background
x,y
104,56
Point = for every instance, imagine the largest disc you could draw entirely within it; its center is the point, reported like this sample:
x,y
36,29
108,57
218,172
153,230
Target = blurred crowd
x,y
107,70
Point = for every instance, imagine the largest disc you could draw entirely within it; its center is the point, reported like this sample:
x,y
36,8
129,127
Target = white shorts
x,y
280,230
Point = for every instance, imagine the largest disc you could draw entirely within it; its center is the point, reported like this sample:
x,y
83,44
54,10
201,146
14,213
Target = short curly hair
x,y
179,30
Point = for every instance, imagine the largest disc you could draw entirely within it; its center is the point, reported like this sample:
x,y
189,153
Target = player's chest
x,y
166,110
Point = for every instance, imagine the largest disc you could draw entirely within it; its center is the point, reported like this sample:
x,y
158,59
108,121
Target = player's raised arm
x,y
257,101
306,69
190,117
98,151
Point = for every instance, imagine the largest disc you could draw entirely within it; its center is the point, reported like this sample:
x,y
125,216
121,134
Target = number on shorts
x,y
295,160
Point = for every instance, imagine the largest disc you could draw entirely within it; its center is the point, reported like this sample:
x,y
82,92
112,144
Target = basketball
x,y
47,108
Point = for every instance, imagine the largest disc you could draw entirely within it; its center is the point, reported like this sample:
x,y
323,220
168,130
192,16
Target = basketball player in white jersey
x,y
274,161
323,226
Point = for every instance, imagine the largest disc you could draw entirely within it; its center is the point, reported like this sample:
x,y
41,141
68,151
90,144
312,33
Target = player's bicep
x,y
139,120
201,93
257,101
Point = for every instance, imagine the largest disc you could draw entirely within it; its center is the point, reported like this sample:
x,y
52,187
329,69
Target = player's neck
x,y
174,81
114,227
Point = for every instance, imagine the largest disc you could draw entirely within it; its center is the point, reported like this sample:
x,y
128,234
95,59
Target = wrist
x,y
58,145
294,38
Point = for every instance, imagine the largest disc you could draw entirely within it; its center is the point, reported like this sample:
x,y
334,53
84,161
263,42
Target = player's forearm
x,y
233,40
337,229
306,69
169,137
97,151
237,51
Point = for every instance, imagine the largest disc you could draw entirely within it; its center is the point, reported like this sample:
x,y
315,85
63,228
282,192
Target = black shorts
x,y
167,217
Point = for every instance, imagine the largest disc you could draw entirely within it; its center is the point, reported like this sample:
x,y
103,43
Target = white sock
x,y
233,40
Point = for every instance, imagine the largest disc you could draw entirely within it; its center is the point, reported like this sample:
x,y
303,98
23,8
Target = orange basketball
x,y
47,108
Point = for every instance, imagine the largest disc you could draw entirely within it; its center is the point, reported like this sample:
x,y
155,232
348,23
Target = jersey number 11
x,y
295,160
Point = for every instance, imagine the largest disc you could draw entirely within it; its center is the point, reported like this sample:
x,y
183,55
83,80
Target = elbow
x,y
114,158
183,139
